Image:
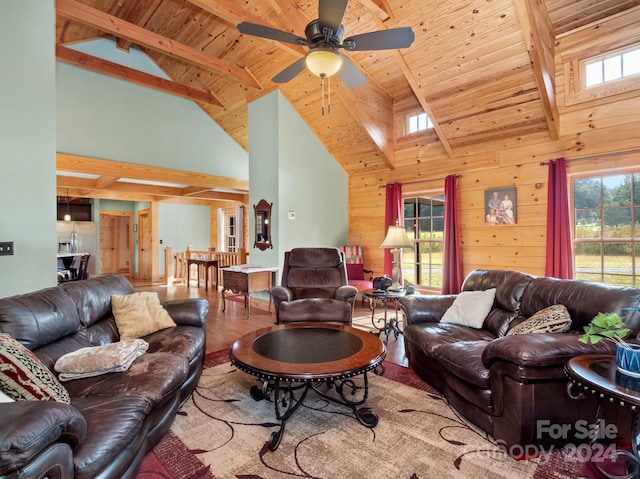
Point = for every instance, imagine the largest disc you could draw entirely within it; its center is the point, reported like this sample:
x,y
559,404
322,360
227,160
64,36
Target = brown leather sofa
x,y
314,287
512,386
114,419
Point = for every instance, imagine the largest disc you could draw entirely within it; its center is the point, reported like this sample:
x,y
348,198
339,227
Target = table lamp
x,y
395,240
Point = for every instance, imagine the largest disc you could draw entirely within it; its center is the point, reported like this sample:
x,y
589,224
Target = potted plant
x,y
610,326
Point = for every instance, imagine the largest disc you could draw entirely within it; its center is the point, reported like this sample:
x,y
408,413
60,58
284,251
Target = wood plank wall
x,y
514,247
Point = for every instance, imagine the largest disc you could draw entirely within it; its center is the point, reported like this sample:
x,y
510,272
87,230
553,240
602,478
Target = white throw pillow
x,y
470,308
5,398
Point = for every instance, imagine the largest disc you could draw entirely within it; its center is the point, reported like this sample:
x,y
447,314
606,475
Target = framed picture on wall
x,y
500,206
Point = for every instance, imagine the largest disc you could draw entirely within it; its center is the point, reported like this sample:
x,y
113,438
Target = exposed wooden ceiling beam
x,y
105,67
81,164
538,35
380,8
415,88
90,188
233,14
107,23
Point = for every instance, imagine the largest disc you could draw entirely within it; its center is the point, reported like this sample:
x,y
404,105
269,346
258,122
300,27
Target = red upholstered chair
x,y
356,274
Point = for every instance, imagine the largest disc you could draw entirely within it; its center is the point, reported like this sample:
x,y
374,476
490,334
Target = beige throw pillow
x,y
470,308
554,319
139,314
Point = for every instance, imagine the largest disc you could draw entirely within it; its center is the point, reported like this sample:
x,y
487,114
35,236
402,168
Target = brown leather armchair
x,y
314,287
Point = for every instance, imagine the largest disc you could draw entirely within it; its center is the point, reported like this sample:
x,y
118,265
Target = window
x,y
231,234
418,123
424,221
607,229
612,67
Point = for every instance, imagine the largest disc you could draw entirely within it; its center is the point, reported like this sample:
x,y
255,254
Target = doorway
x,y
116,242
144,245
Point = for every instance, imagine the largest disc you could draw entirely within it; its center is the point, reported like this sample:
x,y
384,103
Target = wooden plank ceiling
x,y
477,67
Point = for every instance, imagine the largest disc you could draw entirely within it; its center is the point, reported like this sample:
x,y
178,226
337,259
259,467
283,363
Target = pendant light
x,y
67,216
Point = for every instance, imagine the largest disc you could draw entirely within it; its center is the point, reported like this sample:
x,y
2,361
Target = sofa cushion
x,y
554,319
113,425
92,297
39,318
155,376
463,360
24,378
139,314
97,360
470,308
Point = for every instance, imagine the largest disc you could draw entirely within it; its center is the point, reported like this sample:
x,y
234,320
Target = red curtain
x,y
559,247
392,212
451,259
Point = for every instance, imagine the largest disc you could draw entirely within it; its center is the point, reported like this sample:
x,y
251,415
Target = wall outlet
x,y
6,248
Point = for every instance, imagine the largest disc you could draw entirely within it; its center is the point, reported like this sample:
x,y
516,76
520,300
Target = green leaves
x,y
605,326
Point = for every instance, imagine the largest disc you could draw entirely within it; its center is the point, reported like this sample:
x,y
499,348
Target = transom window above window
x,y
612,67
418,123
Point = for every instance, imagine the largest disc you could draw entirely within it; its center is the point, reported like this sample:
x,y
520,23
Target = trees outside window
x,y
606,225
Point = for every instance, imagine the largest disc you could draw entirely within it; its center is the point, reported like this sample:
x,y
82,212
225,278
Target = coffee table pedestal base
x,y
287,396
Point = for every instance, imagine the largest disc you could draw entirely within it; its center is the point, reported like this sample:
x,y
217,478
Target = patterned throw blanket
x,y
97,360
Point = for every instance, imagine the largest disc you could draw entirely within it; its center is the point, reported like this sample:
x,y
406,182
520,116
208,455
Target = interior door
x,y
108,244
144,244
114,243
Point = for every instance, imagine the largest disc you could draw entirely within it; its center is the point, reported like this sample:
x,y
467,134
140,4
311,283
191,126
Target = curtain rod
x,y
421,181
593,157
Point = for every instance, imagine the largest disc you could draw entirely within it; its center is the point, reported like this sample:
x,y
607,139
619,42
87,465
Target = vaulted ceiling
x,y
477,67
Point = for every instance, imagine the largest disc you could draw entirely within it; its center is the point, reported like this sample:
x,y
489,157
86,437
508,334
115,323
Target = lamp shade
x,y
323,62
396,238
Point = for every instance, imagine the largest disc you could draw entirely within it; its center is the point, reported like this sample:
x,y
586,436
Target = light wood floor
x,y
223,328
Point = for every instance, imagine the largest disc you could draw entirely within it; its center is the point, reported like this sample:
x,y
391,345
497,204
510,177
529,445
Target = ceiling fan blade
x,y
271,33
382,40
350,75
331,13
290,72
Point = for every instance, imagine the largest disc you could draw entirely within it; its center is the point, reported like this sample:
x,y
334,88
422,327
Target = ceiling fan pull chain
x,y
322,83
329,96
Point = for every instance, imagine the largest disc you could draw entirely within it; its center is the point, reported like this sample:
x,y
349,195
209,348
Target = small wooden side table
x,y
247,279
206,263
598,374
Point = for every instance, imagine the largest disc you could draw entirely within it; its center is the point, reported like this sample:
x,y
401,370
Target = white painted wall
x,y
290,167
27,145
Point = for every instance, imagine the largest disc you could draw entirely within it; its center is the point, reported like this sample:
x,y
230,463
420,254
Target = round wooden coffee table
x,y
290,359
597,373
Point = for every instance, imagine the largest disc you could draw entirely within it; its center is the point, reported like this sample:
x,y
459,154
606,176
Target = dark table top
x,y
599,371
307,352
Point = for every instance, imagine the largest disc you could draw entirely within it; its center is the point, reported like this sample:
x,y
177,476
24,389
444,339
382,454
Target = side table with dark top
x,y
385,324
597,374
292,359
206,264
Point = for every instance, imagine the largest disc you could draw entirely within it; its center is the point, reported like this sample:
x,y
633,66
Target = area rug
x,y
221,432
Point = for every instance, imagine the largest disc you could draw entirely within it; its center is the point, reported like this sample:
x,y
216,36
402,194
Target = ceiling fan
x,y
324,39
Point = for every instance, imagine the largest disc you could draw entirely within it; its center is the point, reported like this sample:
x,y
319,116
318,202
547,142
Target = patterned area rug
x,y
221,432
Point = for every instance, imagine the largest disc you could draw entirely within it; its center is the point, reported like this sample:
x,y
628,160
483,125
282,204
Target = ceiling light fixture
x,y
324,63
67,216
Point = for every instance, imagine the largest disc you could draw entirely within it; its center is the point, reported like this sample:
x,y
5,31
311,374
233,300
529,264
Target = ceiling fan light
x,y
323,62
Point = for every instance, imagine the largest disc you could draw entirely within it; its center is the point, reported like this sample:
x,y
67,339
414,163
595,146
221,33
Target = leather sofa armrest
x,y
346,293
188,312
281,293
541,349
423,309
28,427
